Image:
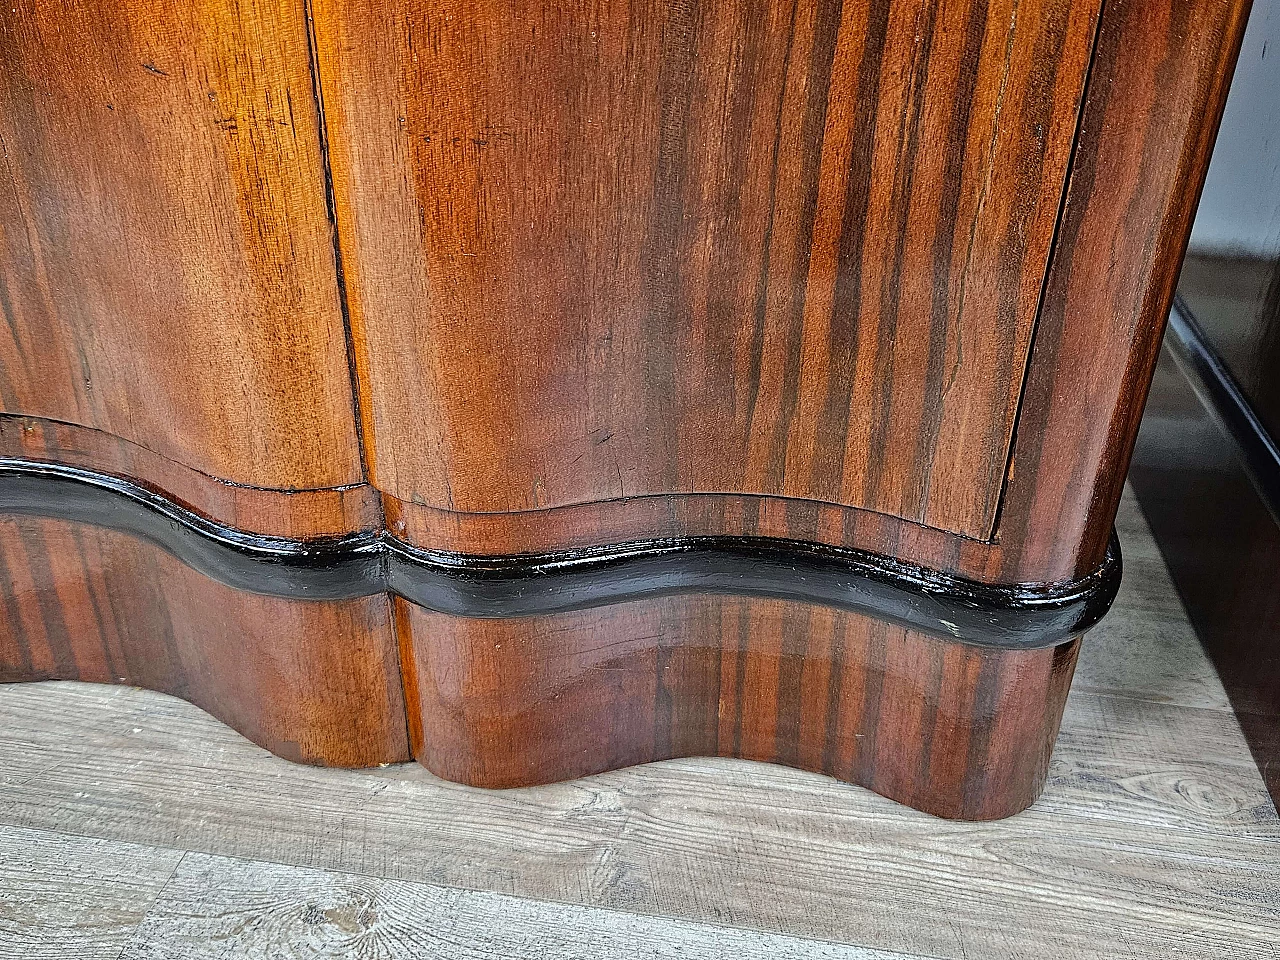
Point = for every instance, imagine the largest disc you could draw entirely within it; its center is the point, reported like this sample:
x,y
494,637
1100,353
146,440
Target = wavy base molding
x,y
938,692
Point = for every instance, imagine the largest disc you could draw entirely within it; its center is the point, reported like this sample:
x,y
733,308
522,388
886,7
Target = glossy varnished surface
x,y
316,682
166,257
742,248
1157,86
1236,301
671,248
300,514
1157,79
1004,616
1157,83
136,822
952,730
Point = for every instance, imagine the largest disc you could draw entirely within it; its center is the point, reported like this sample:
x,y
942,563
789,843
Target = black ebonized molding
x,y
943,605
1217,389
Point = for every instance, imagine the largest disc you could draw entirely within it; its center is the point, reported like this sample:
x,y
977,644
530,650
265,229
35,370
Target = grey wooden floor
x,y
132,825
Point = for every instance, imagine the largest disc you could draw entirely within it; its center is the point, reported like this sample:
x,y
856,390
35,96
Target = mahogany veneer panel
x,y
1158,77
949,729
1156,90
957,730
166,256
302,514
661,270
317,682
743,246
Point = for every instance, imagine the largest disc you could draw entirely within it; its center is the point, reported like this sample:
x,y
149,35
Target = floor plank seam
x,y
428,885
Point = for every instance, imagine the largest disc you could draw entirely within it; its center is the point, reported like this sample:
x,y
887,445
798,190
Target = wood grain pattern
x,y
299,514
671,516
956,730
952,730
1154,837
316,682
685,247
1101,864
745,248
1157,87
88,896
166,257
216,904
1157,84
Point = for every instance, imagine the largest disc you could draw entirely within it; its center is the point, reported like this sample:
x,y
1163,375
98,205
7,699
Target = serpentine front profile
x,y
545,389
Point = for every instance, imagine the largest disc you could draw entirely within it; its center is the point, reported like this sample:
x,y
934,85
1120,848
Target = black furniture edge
x,y
1213,384
1206,471
1008,616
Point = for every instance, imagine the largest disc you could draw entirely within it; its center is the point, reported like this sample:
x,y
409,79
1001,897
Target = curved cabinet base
x,y
934,602
957,731
363,676
316,682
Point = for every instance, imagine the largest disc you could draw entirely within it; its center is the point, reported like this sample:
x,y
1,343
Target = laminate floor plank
x,y
72,897
1155,836
1146,648
1173,846
216,907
